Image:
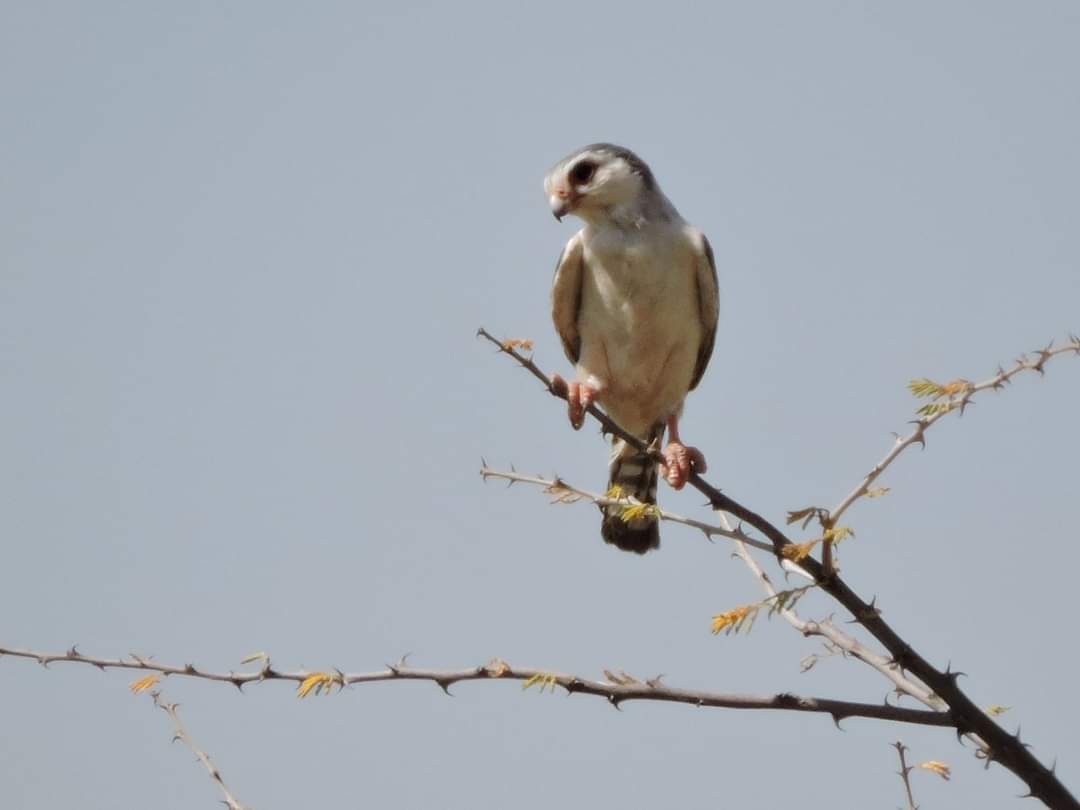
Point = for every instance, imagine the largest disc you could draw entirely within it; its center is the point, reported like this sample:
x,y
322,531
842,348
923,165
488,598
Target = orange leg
x,y
679,460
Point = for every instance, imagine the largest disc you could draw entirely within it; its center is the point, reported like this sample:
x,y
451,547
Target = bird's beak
x,y
560,205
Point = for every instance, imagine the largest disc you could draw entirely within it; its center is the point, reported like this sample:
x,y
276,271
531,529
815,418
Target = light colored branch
x,y
180,733
957,402
616,690
905,774
563,492
846,643
903,684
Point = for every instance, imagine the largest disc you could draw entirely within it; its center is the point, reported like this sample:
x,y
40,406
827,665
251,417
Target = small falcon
x,y
635,302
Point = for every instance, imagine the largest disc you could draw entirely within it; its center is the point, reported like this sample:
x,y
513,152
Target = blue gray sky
x,y
245,248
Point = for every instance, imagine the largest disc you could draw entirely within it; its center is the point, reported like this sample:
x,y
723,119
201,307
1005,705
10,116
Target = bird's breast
x,y
639,321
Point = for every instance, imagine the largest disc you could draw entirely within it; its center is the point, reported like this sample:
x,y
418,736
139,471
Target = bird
x,y
635,303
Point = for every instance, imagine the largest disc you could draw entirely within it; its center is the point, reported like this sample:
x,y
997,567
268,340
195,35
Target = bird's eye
x,y
583,172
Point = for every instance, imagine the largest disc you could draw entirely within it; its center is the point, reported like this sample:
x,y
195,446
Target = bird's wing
x,y
566,296
708,290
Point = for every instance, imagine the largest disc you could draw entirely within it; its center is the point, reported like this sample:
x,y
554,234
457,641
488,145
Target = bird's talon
x,y
574,407
679,462
579,396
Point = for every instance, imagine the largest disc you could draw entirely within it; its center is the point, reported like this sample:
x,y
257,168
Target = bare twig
x,y
615,692
181,734
905,774
844,642
564,492
958,401
1001,746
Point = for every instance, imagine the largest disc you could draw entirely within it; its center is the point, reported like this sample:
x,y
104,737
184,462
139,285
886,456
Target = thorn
x,y
189,669
836,718
238,683
953,676
74,651
614,700
445,685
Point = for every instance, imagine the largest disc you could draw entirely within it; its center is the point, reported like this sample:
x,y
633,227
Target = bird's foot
x,y
679,462
579,396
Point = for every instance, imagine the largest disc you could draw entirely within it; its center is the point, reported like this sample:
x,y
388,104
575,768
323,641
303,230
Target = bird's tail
x,y
634,474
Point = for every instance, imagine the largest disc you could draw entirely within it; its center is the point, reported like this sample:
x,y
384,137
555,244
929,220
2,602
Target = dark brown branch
x,y
1003,747
620,689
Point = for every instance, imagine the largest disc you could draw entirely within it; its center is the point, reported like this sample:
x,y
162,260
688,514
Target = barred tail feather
x,y
635,474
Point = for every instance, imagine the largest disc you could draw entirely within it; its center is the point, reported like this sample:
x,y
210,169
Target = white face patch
x,y
611,183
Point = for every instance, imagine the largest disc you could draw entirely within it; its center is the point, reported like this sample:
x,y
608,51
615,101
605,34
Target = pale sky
x,y
245,250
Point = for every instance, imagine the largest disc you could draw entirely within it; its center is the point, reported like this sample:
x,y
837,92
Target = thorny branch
x,y
958,401
905,774
841,640
617,689
181,734
1002,747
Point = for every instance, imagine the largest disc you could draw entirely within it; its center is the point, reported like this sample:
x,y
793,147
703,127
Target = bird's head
x,y
597,181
